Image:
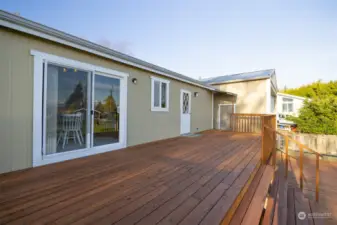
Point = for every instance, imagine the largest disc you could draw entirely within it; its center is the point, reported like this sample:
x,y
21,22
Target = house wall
x,y
16,99
297,105
251,95
273,105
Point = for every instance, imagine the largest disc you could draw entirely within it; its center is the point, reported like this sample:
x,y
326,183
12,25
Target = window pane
x,y
66,107
186,103
163,95
156,93
106,110
290,107
284,107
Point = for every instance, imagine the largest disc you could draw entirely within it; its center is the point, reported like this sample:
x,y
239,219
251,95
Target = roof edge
x,y
24,25
239,80
293,96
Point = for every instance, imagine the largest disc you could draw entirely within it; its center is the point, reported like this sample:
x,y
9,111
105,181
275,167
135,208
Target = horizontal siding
x,y
143,125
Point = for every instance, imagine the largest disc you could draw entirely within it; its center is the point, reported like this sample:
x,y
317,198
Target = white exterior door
x,y
185,112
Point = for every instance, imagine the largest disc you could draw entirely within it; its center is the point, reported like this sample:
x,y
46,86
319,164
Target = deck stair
x,y
269,196
271,199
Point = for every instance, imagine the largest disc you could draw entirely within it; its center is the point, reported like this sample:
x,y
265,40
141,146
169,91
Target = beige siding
x,y
16,99
251,95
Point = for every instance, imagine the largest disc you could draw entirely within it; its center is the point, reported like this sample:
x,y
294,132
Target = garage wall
x,y
251,95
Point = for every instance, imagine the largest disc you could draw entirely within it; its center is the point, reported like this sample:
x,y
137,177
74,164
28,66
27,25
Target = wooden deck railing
x,y
302,147
246,123
265,125
268,137
254,123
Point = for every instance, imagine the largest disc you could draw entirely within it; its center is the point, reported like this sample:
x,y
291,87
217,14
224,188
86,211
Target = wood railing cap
x,y
253,114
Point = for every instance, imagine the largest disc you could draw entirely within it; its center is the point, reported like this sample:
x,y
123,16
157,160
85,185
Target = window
x,y
287,105
159,94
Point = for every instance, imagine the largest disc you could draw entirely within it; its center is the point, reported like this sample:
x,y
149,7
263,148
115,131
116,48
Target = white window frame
x,y
156,108
287,103
38,157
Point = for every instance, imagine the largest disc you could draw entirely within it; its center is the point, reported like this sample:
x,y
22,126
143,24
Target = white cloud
x,y
121,46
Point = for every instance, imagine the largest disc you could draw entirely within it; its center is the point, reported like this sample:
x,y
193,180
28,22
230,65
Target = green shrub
x,y
318,116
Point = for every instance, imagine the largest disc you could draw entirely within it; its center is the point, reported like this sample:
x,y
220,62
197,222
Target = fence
x,y
323,144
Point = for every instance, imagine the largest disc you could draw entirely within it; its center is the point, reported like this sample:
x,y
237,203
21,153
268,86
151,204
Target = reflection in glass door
x,y
105,114
70,95
65,108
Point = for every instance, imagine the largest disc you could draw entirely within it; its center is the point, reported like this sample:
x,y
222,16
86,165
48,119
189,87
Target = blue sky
x,y
205,38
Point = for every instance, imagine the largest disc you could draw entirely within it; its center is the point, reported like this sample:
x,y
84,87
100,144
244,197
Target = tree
x,y
99,107
317,89
76,98
109,103
318,116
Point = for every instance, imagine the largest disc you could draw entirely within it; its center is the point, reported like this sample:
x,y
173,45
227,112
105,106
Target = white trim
x,y
268,96
59,157
189,108
44,104
77,64
38,157
212,111
89,134
91,50
219,111
37,110
167,82
291,96
160,79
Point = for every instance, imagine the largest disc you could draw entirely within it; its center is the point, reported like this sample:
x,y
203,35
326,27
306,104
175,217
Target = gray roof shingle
x,y
261,74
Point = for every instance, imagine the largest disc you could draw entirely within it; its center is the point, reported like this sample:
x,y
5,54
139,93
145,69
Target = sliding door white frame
x,y
39,158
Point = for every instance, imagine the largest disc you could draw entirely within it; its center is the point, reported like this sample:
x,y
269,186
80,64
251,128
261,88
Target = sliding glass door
x,y
106,104
80,109
65,106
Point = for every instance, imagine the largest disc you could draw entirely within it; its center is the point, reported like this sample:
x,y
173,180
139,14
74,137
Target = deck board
x,y
179,180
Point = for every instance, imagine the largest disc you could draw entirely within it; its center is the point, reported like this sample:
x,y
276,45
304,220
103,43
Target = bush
x,y
318,116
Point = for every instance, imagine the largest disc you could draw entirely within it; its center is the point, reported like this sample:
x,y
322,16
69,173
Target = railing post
x,y
231,122
274,153
274,149
317,177
262,139
287,156
301,167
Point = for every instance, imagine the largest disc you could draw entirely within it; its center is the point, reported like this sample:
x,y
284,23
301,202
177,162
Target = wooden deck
x,y
184,180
